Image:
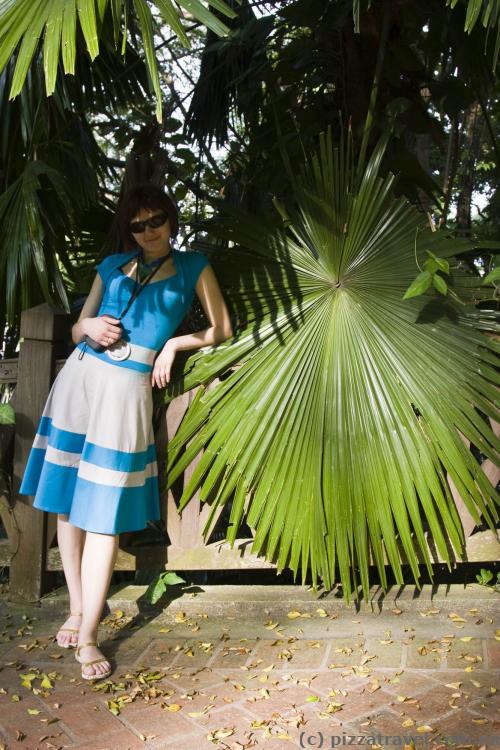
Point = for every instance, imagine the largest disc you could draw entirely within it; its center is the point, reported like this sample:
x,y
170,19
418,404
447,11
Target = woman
x,y
93,461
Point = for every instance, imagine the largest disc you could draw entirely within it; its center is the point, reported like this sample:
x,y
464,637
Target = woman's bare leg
x,y
71,540
98,562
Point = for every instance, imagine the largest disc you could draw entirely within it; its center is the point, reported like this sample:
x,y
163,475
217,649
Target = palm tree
x,y
488,11
54,211
336,432
23,22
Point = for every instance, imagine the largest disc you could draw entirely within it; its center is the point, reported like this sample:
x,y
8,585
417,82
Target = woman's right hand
x,y
104,329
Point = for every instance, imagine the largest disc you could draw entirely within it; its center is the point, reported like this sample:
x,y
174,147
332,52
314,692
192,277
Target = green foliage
x,y
335,433
55,215
159,586
485,577
24,22
7,414
429,276
22,221
493,277
489,12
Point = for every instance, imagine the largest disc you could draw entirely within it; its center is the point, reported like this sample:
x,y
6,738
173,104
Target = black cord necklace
x,y
144,267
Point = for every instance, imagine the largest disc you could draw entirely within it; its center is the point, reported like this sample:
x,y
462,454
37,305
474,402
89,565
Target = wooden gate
x,y
30,548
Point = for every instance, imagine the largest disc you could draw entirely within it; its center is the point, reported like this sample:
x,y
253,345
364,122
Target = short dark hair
x,y
149,196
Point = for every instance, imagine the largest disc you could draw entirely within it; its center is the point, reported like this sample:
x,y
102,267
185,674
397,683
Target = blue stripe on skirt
x,y
122,493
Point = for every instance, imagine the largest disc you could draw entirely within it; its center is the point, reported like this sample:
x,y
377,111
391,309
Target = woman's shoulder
x,y
110,262
192,259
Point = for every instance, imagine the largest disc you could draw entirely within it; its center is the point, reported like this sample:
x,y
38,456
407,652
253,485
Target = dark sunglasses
x,y
138,227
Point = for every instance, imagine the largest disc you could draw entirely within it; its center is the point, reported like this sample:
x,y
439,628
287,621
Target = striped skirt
x,y
94,457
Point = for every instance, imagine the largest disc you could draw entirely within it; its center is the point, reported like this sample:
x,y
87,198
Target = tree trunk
x,y
471,144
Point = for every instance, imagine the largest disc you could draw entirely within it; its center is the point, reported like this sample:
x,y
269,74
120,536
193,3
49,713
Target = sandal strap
x,y
83,645
68,630
75,614
95,661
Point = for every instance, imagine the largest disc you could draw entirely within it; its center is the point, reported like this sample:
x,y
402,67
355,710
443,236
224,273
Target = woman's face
x,y
154,241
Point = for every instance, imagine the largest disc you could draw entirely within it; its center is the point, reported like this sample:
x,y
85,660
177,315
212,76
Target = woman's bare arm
x,y
104,329
220,329
214,307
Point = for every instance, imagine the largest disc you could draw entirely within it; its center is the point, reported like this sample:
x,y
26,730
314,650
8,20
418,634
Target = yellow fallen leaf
x,y
180,617
220,734
424,728
453,685
466,638
456,618
34,711
164,630
321,612
294,614
206,709
402,698
270,625
408,723
172,707
480,721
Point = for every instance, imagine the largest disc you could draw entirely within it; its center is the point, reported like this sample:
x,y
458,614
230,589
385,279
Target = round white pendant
x,y
118,351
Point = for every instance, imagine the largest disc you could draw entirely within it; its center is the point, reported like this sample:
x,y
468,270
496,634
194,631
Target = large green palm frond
x,y
335,431
488,11
26,237
23,23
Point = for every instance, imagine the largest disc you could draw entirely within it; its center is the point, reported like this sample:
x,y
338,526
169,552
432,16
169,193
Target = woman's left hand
x,y
162,366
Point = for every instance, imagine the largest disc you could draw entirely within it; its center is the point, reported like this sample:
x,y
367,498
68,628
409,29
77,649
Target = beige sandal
x,y
69,630
88,663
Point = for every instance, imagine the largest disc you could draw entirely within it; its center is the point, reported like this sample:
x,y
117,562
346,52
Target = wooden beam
x,y
41,327
482,547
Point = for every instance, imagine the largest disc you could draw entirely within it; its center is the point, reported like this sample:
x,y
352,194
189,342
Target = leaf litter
x,y
157,686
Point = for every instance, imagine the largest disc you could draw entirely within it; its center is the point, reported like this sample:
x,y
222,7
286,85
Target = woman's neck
x,y
149,256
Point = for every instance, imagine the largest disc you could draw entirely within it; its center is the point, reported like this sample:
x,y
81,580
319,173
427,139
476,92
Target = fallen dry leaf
x,y
220,734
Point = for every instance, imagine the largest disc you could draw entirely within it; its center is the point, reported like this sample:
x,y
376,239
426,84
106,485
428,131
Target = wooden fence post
x,y
41,328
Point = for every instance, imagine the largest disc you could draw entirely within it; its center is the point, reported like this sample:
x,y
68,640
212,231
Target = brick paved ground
x,y
191,678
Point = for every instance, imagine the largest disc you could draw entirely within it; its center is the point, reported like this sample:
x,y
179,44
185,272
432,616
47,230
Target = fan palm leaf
x,y
24,22
336,430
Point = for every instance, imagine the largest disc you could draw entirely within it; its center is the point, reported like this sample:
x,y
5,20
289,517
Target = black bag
x,y
94,344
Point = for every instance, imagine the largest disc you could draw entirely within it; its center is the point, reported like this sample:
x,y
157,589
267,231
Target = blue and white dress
x,y
94,457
